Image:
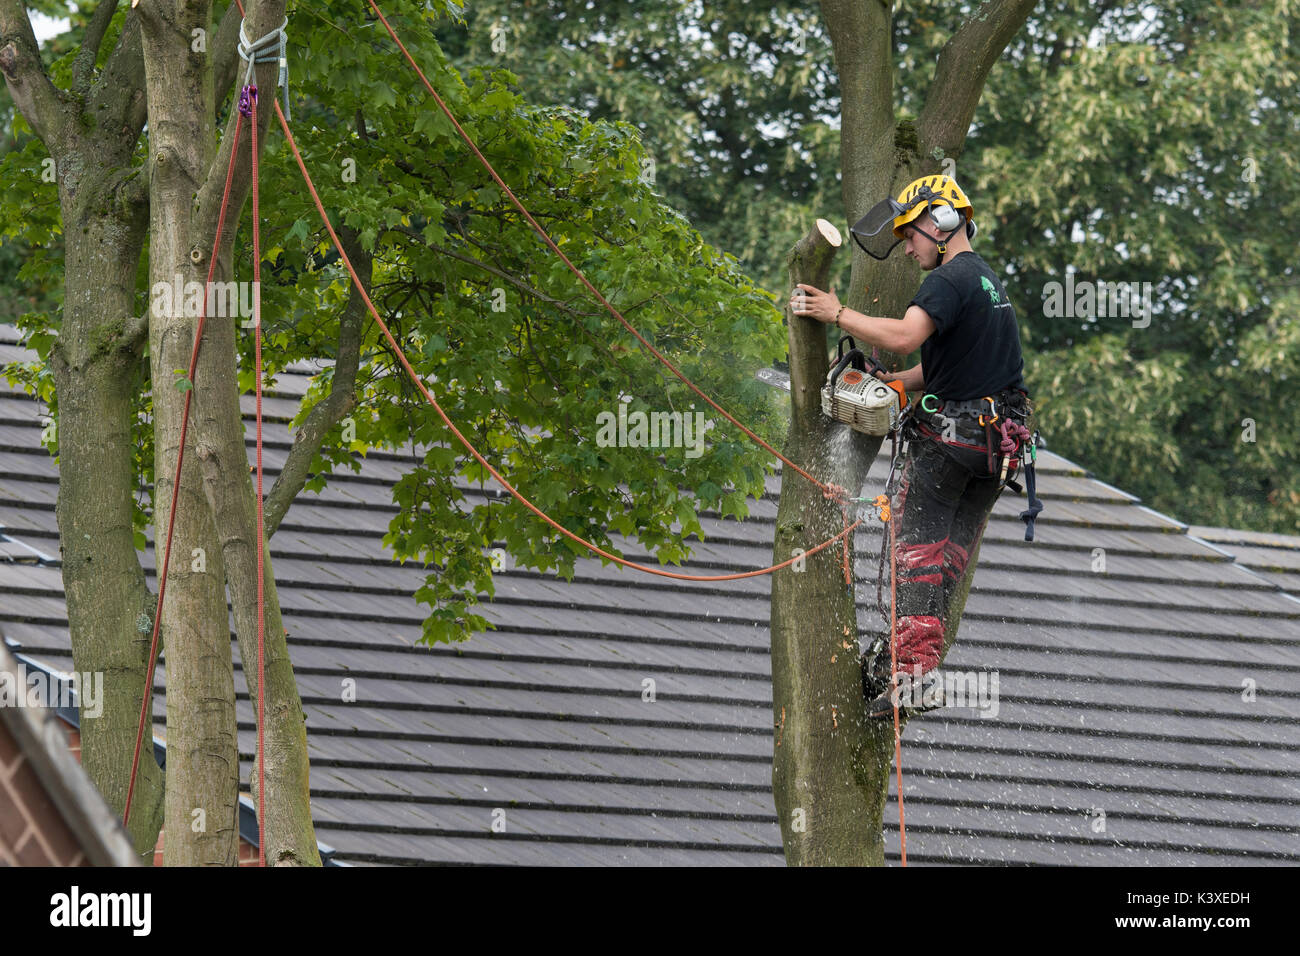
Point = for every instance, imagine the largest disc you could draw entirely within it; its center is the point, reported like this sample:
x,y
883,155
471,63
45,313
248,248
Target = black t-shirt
x,y
975,348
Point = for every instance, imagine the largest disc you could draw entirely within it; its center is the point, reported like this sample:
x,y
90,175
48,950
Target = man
x,y
973,400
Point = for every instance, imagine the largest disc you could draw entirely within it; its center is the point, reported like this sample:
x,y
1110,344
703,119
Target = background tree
x,y
85,129
1154,143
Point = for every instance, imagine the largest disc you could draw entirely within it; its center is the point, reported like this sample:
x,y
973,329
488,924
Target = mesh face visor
x,y
874,232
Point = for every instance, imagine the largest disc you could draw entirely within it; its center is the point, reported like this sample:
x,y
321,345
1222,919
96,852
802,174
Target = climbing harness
x,y
857,398
1009,445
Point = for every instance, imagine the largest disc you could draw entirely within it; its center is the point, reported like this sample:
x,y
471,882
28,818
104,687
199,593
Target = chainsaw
x,y
854,395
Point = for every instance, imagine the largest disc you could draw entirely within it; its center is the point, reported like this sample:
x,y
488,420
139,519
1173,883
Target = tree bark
x,y
202,748
220,452
831,765
96,369
827,767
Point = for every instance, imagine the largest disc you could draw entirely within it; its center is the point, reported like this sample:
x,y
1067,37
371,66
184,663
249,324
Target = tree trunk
x,y
90,132
202,751
830,768
222,454
96,367
830,765
217,425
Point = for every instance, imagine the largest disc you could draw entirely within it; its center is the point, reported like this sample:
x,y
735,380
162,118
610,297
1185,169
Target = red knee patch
x,y
955,559
920,642
924,555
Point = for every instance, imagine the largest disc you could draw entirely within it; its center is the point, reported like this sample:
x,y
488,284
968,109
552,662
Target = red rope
x,y
261,529
176,479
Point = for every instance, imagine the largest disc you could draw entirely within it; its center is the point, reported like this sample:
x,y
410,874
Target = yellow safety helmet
x,y
937,194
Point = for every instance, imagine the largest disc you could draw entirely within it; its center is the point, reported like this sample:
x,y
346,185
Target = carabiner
x,y
992,408
924,407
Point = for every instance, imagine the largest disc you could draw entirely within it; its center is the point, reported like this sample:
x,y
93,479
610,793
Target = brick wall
x,y
32,830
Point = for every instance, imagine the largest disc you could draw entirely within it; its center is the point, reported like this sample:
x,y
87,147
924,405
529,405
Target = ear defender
x,y
945,217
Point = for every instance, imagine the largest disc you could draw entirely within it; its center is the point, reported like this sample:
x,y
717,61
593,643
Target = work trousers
x,y
944,497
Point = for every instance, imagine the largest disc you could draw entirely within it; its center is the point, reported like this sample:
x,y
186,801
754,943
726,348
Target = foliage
x,y
514,348
1138,143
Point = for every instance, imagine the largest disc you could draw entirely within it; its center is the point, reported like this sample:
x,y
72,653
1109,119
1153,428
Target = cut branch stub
x,y
810,263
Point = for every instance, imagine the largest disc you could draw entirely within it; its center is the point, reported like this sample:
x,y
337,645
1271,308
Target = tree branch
x,y
46,108
224,53
83,68
116,99
861,33
498,273
964,64
341,399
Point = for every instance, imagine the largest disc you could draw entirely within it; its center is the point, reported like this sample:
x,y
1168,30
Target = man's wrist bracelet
x,y
837,315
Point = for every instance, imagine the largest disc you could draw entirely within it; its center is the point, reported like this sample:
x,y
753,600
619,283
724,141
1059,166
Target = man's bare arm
x,y
900,337
893,335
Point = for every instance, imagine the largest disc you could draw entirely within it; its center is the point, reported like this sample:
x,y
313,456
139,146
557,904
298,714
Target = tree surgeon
x,y
960,442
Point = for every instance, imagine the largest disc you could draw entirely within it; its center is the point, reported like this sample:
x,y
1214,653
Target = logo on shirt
x,y
988,287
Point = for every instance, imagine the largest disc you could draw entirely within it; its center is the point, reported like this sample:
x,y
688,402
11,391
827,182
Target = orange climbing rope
x,y
574,269
829,491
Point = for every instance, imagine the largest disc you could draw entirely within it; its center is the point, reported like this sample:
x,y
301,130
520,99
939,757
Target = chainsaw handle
x,y
853,355
876,368
869,362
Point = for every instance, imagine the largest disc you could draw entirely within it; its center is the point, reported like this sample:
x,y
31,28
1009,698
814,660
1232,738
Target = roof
x,y
1274,557
1120,691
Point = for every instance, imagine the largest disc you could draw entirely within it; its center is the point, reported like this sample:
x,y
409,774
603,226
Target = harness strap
x,y
973,406
1028,457
1007,440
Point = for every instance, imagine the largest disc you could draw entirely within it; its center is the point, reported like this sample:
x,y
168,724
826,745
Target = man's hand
x,y
814,303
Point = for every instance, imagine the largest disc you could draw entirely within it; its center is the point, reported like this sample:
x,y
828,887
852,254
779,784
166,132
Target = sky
x,y
45,27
